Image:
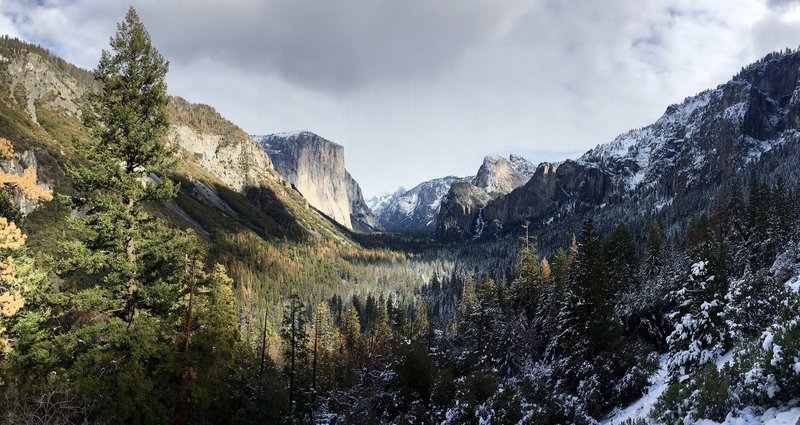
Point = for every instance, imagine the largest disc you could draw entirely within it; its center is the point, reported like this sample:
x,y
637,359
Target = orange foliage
x,y
26,183
6,148
11,297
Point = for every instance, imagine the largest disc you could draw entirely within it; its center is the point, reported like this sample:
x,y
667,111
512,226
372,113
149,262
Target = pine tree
x,y
214,350
527,287
126,166
420,325
620,262
588,337
295,350
321,345
351,346
124,274
700,333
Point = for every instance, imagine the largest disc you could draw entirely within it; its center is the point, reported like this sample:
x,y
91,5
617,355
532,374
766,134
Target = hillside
x,y
230,195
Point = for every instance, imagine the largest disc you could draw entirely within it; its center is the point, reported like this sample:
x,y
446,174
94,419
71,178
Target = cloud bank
x,y
417,89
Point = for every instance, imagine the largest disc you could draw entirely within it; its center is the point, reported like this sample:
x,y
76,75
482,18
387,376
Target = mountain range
x,y
694,149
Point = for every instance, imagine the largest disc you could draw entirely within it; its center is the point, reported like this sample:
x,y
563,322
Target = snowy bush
x,y
770,365
706,395
751,304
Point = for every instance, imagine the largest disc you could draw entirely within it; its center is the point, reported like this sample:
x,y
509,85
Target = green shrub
x,y
706,395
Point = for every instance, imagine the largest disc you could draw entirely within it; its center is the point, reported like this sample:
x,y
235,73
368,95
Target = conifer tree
x,y
700,333
124,274
126,165
420,324
295,350
526,288
320,347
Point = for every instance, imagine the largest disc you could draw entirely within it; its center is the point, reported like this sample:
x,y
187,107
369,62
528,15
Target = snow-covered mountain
x,y
414,210
683,158
418,210
377,202
316,168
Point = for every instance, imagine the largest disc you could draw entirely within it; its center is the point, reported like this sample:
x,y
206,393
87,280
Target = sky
x,y
418,89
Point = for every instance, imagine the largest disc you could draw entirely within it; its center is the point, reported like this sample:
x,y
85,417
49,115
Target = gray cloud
x,y
417,89
332,46
782,3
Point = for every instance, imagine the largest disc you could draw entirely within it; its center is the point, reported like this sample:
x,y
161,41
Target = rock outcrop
x,y
36,81
461,212
498,175
219,146
361,215
316,168
462,202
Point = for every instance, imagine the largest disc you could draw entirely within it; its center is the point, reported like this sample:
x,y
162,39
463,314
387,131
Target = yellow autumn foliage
x,y
6,148
11,295
25,183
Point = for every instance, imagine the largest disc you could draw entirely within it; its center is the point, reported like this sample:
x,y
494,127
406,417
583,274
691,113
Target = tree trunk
x,y
130,304
263,345
293,346
186,337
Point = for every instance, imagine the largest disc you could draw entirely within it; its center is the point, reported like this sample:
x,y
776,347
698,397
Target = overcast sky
x,y
417,89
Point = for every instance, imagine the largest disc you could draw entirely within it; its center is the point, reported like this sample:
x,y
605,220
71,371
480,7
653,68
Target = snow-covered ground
x,y
641,408
786,416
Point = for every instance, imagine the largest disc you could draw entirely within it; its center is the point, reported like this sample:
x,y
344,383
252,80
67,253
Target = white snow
x,y
659,382
773,416
767,344
641,408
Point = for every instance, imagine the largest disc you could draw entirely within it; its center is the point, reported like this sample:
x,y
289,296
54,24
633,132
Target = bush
x,y
706,395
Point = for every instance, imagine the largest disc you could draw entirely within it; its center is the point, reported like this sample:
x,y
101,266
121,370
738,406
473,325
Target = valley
x,y
164,265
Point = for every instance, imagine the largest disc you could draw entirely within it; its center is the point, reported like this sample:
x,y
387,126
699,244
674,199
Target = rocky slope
x,y
684,157
315,167
227,181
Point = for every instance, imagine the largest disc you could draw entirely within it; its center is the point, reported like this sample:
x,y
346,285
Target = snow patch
x,y
641,408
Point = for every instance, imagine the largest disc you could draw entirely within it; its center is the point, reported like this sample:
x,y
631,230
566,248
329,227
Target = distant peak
x,y
516,158
492,158
299,136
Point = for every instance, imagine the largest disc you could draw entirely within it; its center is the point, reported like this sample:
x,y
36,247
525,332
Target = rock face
x,y
23,164
684,157
500,175
34,79
316,168
451,199
360,213
222,148
463,201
